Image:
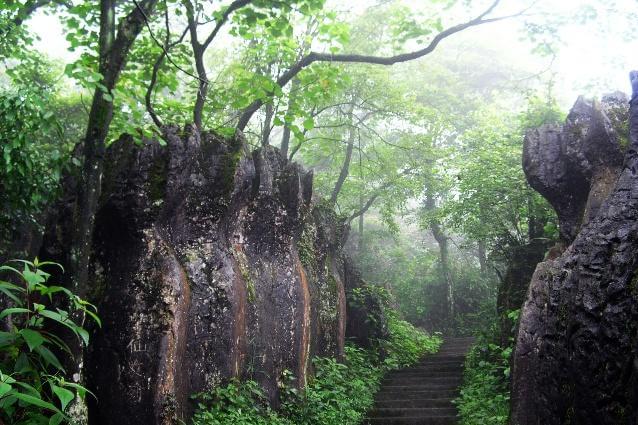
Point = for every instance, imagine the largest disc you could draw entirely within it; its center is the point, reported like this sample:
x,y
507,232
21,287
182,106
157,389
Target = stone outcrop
x,y
575,358
575,165
209,262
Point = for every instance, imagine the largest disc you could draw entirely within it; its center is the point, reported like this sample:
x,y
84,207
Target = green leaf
x,y
4,388
14,310
49,357
6,338
33,338
56,419
63,394
309,123
84,335
36,402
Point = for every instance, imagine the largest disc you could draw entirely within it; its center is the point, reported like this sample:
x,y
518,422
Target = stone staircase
x,y
423,394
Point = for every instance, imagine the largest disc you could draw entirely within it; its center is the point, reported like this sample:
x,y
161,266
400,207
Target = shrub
x,y
485,396
32,385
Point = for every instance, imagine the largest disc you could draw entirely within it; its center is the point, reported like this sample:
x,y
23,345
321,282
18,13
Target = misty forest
x,y
318,212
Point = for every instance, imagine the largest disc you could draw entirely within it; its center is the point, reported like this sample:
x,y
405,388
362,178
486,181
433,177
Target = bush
x,y
30,154
485,396
32,385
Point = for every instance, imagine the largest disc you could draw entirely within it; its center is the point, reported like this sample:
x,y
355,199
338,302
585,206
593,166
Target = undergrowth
x,y
337,393
484,398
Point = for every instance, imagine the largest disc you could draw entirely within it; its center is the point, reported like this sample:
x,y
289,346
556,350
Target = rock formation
x,y
208,262
575,358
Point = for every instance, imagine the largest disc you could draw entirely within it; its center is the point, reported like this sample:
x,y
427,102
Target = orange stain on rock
x,y
238,350
304,341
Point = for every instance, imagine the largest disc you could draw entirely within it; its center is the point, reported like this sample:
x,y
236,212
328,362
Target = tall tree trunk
x,y
285,138
265,131
482,257
202,91
360,226
113,51
443,241
345,168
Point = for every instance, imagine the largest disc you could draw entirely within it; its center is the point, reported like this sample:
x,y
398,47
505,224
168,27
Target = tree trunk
x,y
345,168
443,241
360,227
200,101
113,50
265,131
285,138
482,257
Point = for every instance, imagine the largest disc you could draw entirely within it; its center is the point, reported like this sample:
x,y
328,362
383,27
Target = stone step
x,y
415,402
423,394
419,420
454,381
444,359
451,366
425,373
412,412
419,394
420,387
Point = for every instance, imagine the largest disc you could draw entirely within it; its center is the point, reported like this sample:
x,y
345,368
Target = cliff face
x,y
208,262
576,348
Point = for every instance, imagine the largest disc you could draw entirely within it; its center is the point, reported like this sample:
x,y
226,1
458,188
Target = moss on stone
x,y
229,163
306,247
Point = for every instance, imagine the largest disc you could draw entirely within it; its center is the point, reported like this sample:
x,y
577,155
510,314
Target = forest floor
x,y
423,394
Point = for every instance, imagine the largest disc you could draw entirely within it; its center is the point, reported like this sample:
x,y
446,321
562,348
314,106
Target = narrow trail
x,y
423,394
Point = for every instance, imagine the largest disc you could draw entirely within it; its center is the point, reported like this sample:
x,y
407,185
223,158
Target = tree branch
x,y
237,4
313,57
27,10
369,203
158,64
161,46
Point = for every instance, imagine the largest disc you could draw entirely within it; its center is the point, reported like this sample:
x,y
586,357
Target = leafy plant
x,y
32,385
30,159
485,396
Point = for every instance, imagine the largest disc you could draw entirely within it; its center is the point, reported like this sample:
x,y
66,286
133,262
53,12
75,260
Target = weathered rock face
x,y
575,359
208,262
575,165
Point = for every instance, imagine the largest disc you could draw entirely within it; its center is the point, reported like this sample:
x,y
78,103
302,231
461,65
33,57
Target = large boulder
x,y
208,262
575,358
575,165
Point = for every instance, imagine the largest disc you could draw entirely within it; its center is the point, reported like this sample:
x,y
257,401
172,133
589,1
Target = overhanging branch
x,y
313,57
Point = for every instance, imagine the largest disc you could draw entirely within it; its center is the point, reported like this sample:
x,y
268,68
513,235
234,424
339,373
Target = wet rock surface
x,y
575,358
209,262
575,165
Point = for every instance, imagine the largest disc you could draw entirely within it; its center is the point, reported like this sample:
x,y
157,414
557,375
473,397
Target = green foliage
x,y
32,385
31,155
410,269
406,344
339,393
485,395
241,403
